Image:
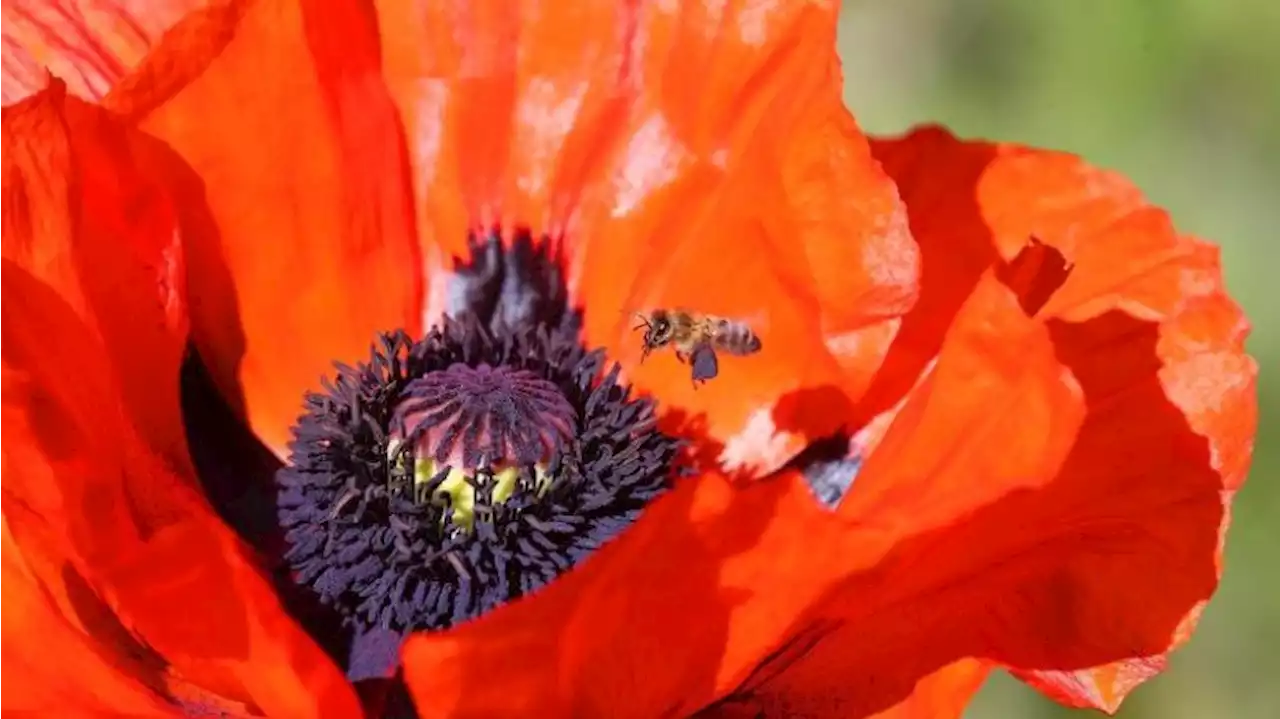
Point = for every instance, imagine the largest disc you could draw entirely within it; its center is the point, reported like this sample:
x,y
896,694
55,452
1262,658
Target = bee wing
x,y
757,320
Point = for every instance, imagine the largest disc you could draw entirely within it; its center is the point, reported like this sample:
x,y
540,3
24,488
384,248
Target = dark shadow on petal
x,y
814,413
211,298
956,247
510,283
237,473
798,645
105,627
829,466
1100,564
386,698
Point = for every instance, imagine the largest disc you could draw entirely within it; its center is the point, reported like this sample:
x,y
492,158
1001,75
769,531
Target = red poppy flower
x,y
999,412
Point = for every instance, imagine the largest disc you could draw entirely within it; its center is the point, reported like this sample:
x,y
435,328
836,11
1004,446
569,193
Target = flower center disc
x,y
449,475
474,416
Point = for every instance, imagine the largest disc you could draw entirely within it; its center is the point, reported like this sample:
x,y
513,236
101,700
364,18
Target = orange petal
x,y
1102,562
298,215
75,461
742,188
85,212
91,44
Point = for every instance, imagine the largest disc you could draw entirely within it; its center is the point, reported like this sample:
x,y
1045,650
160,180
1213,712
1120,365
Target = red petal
x,y
85,213
51,664
742,188
671,615
72,458
713,582
244,640
946,549
90,44
1046,506
840,678
1106,556
945,694
306,248
995,383
891,617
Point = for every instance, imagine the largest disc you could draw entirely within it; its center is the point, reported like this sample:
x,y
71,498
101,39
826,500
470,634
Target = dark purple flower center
x,y
450,474
472,416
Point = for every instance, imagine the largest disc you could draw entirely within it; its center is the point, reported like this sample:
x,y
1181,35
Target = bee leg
x,y
684,358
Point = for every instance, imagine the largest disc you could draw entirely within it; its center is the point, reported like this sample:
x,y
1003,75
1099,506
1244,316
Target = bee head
x,y
657,331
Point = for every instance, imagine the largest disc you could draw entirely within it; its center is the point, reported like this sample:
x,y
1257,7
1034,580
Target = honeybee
x,y
696,337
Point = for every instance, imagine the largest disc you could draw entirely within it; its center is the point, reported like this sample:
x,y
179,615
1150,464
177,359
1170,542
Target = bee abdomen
x,y
738,339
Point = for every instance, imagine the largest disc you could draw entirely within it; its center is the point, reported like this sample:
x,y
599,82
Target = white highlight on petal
x,y
439,283
431,97
545,114
753,21
715,14
850,344
171,262
652,160
760,445
890,253
1206,385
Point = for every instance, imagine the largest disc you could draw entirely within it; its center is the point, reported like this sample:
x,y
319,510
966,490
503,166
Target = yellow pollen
x,y
455,492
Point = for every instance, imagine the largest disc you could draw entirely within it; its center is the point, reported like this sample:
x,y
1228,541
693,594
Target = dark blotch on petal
x,y
511,288
829,466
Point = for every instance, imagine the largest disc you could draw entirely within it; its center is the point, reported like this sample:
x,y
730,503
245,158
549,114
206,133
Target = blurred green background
x,y
1182,96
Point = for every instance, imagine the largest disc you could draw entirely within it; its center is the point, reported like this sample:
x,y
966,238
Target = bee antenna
x,y
644,321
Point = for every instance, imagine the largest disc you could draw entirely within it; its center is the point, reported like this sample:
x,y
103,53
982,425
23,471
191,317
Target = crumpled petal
x,y
90,44
1085,573
885,621
137,529
676,154
306,249
1049,505
85,212
91,297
